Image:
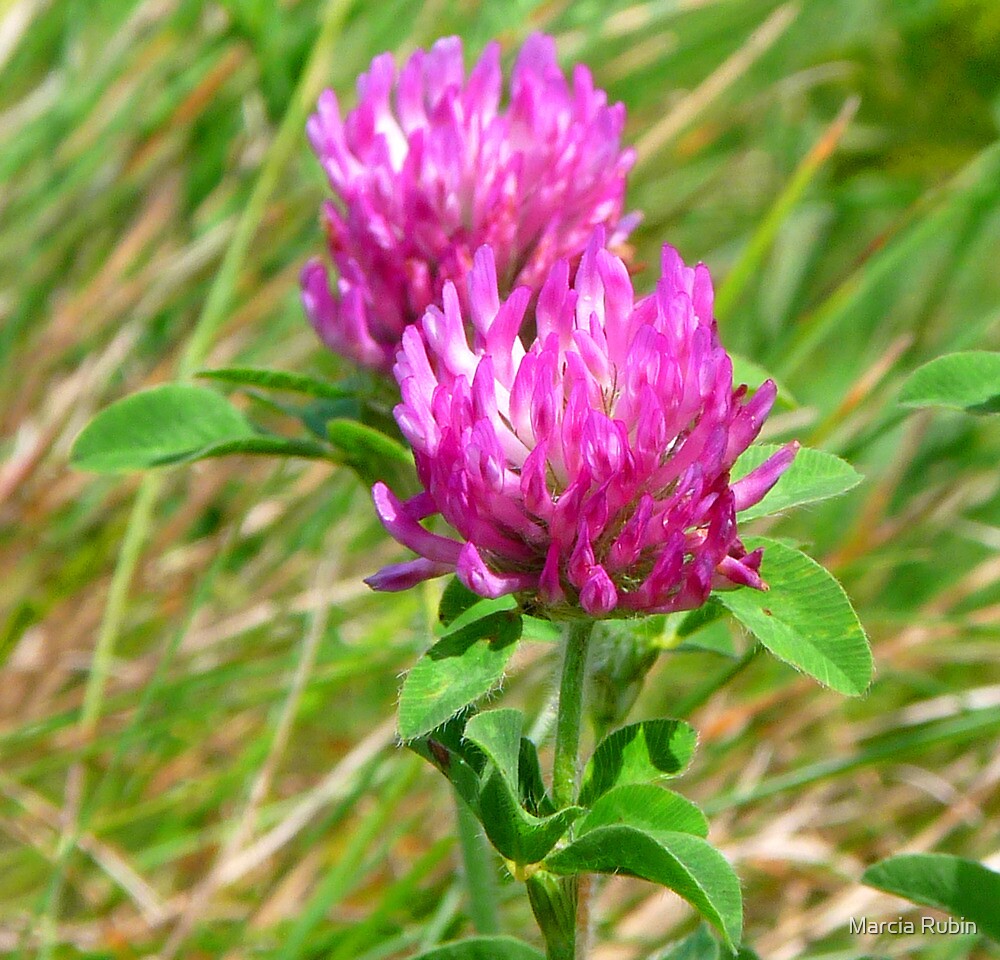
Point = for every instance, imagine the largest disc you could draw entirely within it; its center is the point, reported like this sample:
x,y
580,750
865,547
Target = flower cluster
x,y
591,468
429,166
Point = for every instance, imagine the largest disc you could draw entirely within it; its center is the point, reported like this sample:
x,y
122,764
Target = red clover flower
x,y
428,167
591,469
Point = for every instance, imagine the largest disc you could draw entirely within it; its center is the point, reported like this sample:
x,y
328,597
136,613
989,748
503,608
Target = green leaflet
x,y
962,887
688,865
814,475
158,426
968,381
372,455
459,669
646,807
638,753
805,618
277,380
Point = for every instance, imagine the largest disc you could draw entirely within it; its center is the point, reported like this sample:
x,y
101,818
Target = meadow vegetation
x,y
197,744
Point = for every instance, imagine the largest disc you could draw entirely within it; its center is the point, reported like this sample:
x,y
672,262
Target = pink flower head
x,y
428,167
591,468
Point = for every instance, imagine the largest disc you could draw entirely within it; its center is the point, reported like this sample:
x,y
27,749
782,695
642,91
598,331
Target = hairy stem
x,y
559,903
571,687
553,902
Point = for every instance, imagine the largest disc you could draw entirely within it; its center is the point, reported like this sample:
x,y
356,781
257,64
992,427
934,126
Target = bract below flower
x,y
591,469
429,166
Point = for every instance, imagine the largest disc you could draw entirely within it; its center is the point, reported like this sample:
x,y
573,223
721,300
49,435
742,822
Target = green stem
x,y
480,882
558,903
553,902
571,686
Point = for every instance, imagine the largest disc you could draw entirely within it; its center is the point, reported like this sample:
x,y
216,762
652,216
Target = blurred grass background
x,y
233,789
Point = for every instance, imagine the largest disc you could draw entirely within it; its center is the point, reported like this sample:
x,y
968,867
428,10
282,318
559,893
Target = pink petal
x,y
403,528
598,595
755,485
402,576
474,573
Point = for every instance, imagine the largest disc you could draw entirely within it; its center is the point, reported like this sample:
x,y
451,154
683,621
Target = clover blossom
x,y
591,469
428,167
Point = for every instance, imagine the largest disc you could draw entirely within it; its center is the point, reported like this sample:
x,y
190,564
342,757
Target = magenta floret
x,y
429,166
592,468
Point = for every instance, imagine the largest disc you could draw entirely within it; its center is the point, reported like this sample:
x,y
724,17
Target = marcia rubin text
x,y
901,925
